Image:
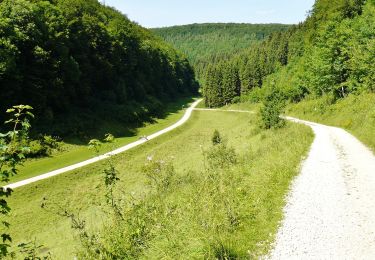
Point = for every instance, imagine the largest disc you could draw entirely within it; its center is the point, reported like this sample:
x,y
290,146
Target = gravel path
x,y
182,121
330,213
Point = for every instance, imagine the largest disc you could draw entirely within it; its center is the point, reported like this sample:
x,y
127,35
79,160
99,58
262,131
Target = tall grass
x,y
189,199
355,113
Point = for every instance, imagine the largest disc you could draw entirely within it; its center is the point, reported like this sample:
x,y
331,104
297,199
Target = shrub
x,y
220,156
236,100
274,104
37,149
42,147
50,142
216,138
159,174
12,154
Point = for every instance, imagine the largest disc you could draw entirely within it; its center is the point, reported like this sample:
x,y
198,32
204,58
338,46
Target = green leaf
x,y
28,107
21,156
4,135
109,138
6,237
30,114
6,224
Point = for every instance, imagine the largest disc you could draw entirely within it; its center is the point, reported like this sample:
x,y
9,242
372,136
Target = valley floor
x,y
329,211
73,151
267,163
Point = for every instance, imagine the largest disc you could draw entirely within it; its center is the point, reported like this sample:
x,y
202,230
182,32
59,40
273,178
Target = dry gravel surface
x,y
330,211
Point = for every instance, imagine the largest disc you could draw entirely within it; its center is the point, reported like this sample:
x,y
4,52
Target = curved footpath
x,y
182,121
330,211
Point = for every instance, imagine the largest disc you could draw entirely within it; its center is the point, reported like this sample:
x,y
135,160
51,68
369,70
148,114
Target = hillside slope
x,y
184,216
330,55
207,43
79,63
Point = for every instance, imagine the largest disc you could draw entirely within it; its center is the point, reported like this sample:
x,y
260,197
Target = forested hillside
x,y
78,63
332,53
213,188
207,43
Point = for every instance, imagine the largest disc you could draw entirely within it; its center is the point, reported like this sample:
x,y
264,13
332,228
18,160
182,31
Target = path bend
x,y
330,211
127,147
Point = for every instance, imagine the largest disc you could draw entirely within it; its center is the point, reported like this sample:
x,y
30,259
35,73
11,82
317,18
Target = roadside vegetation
x,y
73,151
181,195
13,151
356,113
213,188
331,53
322,67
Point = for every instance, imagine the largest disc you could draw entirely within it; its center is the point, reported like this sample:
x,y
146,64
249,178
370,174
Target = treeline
x,y
227,79
207,43
79,63
331,53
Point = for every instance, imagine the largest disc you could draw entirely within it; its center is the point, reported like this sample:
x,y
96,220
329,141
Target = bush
x,y
42,147
50,142
37,149
220,156
216,138
159,174
274,105
236,100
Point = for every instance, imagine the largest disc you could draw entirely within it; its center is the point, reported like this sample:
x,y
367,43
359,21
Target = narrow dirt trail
x,y
330,211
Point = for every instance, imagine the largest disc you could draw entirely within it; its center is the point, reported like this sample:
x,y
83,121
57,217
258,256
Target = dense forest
x,y
332,53
78,62
204,44
216,188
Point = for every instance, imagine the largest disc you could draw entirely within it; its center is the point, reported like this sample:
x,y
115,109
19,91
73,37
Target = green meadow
x,y
267,161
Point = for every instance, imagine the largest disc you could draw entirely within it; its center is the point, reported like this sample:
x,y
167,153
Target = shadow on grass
x,y
222,252
78,126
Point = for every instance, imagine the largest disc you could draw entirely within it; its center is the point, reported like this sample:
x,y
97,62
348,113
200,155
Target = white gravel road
x,y
330,211
182,121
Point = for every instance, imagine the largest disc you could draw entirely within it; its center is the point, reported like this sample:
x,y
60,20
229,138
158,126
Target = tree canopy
x,y
77,61
205,44
331,53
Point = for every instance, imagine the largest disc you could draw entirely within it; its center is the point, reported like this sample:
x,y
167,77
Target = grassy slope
x,y
354,113
268,162
74,153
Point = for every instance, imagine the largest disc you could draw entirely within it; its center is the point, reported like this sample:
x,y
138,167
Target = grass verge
x,y
356,113
267,161
74,153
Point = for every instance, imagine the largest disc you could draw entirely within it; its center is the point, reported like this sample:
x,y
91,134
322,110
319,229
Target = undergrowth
x,y
184,195
355,113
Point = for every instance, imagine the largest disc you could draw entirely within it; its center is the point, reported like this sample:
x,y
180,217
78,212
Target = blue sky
x,y
159,13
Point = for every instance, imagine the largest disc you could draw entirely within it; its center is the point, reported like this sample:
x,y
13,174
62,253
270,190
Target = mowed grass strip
x,y
268,161
70,154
